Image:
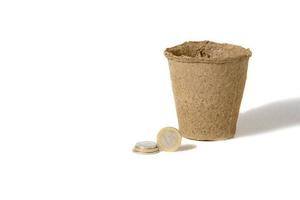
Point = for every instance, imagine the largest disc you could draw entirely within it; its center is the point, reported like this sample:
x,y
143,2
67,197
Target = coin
x,y
155,150
168,139
146,147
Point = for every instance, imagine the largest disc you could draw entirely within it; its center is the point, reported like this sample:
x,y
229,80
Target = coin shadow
x,y
186,147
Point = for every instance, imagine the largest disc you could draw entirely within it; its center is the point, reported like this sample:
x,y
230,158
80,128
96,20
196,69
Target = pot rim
x,y
230,52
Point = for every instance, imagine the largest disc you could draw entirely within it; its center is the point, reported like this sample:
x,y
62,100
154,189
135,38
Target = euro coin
x,y
146,147
168,139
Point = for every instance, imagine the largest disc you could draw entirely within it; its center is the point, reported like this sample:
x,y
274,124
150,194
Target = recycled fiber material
x,y
208,81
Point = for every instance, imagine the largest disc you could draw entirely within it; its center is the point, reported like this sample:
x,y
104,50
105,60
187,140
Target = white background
x,y
82,81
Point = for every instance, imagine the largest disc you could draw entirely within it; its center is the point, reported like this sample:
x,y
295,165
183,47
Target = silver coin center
x,y
146,145
169,139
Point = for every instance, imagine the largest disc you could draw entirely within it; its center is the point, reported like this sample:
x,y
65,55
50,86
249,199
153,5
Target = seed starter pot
x,y
208,81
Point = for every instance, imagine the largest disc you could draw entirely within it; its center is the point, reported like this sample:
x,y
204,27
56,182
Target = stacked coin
x,y
146,147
